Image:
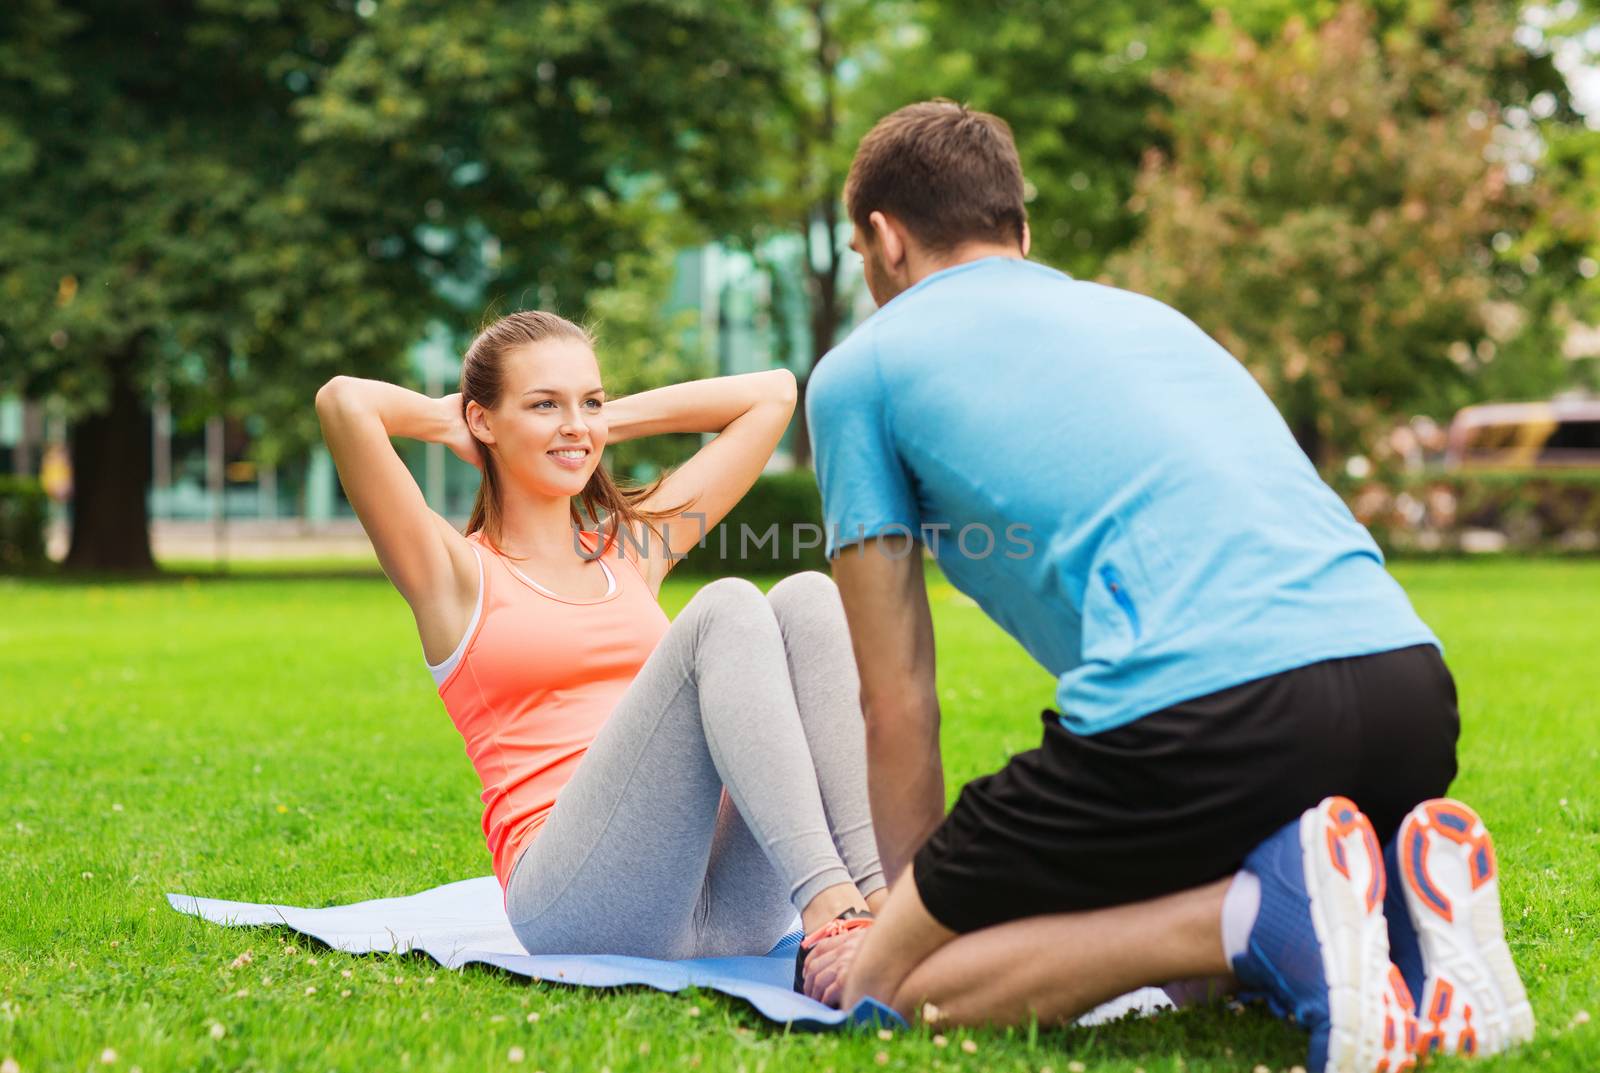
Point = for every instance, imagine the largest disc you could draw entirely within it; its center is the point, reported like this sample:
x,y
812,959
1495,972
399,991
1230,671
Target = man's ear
x,y
891,238
1027,238
478,423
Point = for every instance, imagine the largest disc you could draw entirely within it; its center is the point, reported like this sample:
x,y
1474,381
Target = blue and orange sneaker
x,y
849,920
1319,950
1449,940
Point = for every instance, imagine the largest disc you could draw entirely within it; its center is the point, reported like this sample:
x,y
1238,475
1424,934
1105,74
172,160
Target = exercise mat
x,y
464,923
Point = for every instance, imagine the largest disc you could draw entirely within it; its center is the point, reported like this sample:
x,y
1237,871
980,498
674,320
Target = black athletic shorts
x,y
1179,797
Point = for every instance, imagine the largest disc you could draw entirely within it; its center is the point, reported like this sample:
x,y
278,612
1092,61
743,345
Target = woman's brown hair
x,y
483,382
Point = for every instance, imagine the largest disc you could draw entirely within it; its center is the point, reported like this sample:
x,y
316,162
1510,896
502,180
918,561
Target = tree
x,y
1074,79
1329,211
795,222
239,198
1079,83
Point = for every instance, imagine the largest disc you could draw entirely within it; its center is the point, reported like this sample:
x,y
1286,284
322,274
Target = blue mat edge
x,y
773,1003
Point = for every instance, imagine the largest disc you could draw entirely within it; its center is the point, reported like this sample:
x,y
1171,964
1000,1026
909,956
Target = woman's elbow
x,y
331,394
785,388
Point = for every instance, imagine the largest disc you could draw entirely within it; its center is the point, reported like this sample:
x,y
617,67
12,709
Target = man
x,y
1236,670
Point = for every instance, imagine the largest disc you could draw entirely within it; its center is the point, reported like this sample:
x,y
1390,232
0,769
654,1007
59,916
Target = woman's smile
x,y
570,457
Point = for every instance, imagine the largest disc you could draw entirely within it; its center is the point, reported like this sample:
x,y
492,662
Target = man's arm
x,y
891,629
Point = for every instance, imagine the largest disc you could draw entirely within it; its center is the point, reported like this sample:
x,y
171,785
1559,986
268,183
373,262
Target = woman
x,y
667,791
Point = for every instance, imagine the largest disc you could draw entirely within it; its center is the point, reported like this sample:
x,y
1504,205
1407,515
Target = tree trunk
x,y
825,318
110,482
822,281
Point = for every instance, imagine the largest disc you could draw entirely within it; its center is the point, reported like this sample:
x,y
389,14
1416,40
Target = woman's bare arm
x,y
748,412
428,561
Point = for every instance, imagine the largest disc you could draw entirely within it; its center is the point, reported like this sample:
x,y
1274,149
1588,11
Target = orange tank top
x,y
537,676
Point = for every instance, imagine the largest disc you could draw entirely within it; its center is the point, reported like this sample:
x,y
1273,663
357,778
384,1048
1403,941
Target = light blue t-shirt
x,y
1109,484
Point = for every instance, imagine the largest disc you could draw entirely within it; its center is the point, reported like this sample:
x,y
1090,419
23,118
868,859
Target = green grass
x,y
274,736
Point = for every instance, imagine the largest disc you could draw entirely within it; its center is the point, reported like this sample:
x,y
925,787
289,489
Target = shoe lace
x,y
836,926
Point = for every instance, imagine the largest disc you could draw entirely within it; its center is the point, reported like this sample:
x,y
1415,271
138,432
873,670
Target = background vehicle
x,y
1560,434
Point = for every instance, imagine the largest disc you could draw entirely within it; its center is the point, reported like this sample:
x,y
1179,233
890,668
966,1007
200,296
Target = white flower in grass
x,y
970,1046
516,1054
10,1066
533,1018
1076,1067
218,1030
940,1041
108,1056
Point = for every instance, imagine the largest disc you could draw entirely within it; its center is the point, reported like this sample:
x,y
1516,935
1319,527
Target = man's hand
x,y
828,965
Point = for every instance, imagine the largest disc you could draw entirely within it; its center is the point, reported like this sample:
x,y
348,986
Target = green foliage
x,y
240,198
24,512
794,223
1081,85
1075,81
641,347
775,529
1329,212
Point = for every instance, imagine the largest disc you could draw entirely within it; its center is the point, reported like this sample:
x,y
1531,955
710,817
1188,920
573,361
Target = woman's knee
x,y
726,592
730,601
807,597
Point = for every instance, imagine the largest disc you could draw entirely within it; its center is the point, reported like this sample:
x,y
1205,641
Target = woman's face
x,y
549,427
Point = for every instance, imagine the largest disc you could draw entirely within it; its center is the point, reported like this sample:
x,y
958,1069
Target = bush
x,y
775,529
24,510
1465,511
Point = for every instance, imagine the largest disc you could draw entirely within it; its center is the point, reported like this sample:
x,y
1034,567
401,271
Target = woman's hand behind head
x,y
459,438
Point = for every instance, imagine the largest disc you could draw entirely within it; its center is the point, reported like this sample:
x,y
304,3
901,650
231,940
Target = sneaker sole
x,y
1473,1001
1372,1025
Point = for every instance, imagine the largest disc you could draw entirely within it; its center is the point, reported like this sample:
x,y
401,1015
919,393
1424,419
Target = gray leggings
x,y
726,790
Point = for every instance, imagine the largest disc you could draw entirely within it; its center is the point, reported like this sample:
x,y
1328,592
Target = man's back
x,y
1120,495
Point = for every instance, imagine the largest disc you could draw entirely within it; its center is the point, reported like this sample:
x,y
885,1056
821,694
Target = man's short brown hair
x,y
949,174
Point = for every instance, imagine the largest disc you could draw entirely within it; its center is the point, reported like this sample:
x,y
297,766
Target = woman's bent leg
x,y
822,668
621,864
752,729
746,901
